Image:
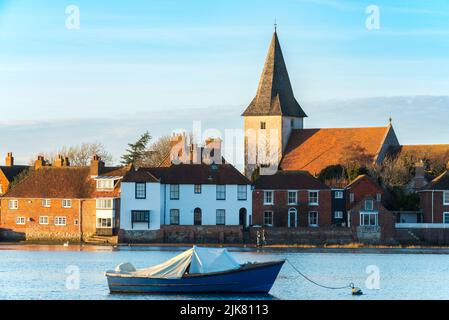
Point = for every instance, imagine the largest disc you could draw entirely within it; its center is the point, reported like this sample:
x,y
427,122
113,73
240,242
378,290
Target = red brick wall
x,y
281,207
31,209
386,220
4,182
438,207
363,188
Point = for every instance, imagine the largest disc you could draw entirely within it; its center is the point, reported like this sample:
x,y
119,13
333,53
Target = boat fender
x,y
356,291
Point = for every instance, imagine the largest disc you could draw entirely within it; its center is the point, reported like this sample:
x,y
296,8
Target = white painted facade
x,y
159,204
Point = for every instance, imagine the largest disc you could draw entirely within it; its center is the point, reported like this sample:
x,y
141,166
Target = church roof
x,y
315,149
420,152
274,94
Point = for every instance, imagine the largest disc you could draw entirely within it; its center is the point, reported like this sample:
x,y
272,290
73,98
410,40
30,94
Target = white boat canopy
x,y
198,260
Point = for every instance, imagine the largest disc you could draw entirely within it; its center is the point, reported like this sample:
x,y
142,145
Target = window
x,y
268,197
13,204
446,198
43,220
174,192
446,217
368,218
221,217
46,203
221,192
104,223
141,190
313,198
60,221
20,220
351,197
75,222
104,203
197,188
241,192
313,219
263,125
105,184
174,216
379,197
66,203
369,205
140,216
268,218
338,194
292,197
338,214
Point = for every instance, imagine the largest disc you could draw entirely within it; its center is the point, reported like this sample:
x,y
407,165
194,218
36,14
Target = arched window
x,y
292,218
197,217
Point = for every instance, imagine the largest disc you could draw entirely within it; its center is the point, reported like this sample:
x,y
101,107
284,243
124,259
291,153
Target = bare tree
x,y
157,151
79,155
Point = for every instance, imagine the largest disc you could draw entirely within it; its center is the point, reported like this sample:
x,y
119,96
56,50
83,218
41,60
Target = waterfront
x,y
49,272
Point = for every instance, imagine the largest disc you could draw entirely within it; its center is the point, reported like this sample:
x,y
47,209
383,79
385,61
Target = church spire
x,y
274,94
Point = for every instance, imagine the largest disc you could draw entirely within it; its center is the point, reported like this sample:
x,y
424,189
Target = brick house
x,y
61,202
9,172
291,199
434,200
368,218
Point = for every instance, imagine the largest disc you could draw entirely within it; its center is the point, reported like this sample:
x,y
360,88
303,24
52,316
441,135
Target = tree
x,y
157,152
356,161
79,155
137,151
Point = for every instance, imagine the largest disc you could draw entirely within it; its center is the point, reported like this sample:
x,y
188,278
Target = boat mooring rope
x,y
351,285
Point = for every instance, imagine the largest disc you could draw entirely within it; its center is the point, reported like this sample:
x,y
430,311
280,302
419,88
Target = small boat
x,y
197,270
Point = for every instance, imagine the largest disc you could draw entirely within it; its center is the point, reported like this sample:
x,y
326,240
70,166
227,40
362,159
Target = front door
x,y
197,217
242,217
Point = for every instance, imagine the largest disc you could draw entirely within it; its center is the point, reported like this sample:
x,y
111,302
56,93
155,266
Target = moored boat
x,y
197,270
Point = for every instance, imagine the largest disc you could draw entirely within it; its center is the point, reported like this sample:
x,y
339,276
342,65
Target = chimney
x,y
67,162
419,170
179,149
9,160
212,151
96,166
59,162
39,163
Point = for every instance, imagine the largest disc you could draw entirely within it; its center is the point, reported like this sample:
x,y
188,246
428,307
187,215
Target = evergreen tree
x,y
136,151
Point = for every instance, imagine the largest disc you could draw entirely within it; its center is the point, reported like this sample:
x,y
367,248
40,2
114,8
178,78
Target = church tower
x,y
271,116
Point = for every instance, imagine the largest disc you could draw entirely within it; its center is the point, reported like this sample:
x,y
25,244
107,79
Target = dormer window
x,y
446,198
105,184
369,205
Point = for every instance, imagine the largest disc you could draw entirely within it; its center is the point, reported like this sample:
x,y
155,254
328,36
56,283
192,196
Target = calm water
x,y
40,272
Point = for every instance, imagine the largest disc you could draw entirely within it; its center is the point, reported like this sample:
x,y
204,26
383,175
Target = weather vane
x,y
275,25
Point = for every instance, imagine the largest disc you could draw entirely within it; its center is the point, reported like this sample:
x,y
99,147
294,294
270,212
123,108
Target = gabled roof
x,y
189,174
274,94
284,180
51,182
439,183
315,149
11,172
363,178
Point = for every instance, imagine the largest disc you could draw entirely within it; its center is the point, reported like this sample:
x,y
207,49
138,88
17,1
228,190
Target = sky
x,y
159,65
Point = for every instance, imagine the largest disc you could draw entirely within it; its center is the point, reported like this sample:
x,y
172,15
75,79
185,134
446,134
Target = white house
x,y
185,194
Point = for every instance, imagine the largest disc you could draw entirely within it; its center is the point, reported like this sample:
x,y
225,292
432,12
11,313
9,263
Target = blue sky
x,y
159,65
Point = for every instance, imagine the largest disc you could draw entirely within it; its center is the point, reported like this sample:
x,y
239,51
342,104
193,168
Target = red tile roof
x,y
65,182
284,180
189,174
315,149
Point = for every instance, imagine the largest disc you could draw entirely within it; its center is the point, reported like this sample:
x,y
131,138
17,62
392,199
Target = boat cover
x,y
200,260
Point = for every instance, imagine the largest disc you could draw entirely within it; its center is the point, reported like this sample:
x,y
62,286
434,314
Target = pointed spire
x,y
274,94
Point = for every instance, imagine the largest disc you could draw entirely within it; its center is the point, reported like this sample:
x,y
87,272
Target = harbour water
x,y
75,272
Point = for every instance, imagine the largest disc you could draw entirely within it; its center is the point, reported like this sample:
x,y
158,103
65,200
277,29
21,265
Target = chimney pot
x,y
96,165
39,163
9,160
